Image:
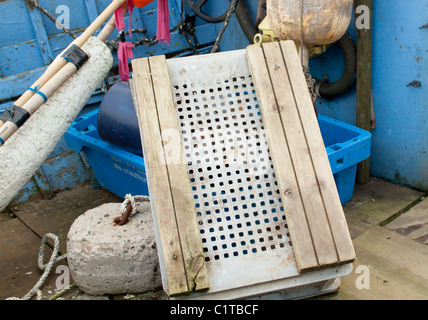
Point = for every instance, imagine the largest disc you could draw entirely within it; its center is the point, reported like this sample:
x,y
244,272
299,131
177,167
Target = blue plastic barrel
x,y
117,121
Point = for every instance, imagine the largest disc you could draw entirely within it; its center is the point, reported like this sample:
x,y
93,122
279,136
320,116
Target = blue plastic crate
x,y
115,168
346,146
122,172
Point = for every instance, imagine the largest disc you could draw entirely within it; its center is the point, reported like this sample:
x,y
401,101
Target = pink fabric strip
x,y
124,50
162,33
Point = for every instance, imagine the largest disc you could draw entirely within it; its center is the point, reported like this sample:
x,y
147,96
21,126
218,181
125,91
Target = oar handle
x,y
57,64
94,26
109,27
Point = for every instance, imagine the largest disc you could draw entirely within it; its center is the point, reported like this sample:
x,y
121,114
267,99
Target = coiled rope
x,y
46,267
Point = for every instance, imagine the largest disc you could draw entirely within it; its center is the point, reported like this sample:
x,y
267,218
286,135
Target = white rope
x,y
47,267
129,199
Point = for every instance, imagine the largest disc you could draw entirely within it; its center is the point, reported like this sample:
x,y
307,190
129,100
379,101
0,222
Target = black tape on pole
x,y
16,115
76,56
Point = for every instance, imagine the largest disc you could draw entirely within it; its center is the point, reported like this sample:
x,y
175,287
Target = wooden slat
x,y
169,184
162,205
396,267
296,146
325,180
301,155
184,207
41,35
43,184
296,220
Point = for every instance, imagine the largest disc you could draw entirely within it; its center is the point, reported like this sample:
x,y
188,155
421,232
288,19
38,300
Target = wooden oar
x,y
55,82
57,64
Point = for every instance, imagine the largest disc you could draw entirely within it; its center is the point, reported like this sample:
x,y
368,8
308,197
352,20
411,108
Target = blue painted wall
x,y
400,55
25,52
400,140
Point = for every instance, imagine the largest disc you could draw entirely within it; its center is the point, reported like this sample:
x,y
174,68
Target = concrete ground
x,y
388,224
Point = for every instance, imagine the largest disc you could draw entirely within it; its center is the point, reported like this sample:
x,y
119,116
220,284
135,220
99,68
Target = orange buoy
x,y
142,3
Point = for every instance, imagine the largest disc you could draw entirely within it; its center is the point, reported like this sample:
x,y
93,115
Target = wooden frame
x,y
316,222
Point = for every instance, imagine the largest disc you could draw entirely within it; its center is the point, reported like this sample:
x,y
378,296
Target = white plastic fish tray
x,y
242,223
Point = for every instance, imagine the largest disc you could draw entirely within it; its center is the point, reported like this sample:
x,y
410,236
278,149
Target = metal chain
x,y
185,28
310,82
114,44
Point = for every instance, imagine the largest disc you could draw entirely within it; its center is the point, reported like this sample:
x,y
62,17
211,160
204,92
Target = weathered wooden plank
x,y
43,184
179,182
161,198
413,223
300,154
364,83
41,35
389,265
317,152
305,254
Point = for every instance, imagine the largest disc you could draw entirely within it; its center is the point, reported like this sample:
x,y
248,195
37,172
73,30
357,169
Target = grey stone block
x,y
108,259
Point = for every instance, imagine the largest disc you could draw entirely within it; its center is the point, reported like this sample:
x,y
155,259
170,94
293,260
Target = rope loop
x,y
132,200
46,267
128,208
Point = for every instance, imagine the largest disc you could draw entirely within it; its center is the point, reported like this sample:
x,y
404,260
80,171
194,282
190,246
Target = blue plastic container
x,y
346,146
122,172
116,169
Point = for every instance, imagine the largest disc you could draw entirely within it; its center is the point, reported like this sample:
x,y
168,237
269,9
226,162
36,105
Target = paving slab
x,y
395,266
375,202
58,214
20,237
413,223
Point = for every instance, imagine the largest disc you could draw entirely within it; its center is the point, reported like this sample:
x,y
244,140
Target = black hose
x,y
331,90
244,19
